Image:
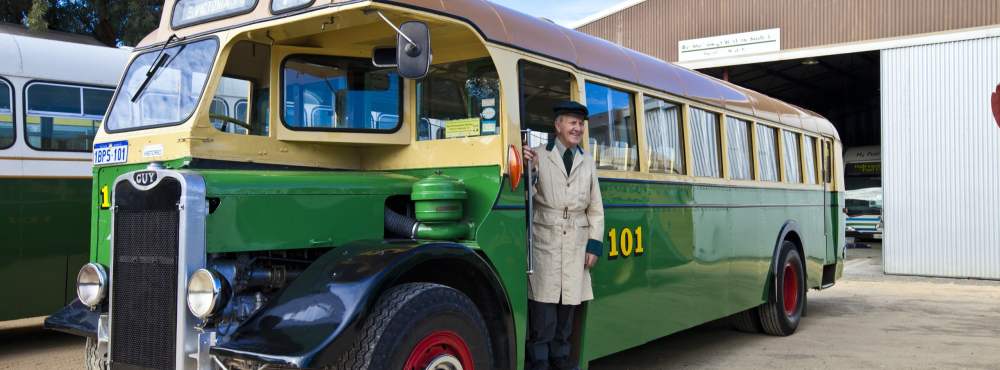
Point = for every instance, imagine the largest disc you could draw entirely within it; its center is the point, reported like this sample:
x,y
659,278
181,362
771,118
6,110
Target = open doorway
x,y
843,88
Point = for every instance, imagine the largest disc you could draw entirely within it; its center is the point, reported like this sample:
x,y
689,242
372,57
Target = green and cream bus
x,y
54,91
370,212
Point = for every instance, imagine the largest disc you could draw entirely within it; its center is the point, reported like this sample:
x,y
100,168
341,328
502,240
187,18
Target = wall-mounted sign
x,y
729,45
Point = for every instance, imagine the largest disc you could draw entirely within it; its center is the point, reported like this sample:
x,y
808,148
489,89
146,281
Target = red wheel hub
x,y
444,347
790,288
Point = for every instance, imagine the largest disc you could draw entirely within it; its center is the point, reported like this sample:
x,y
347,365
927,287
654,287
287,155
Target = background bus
x,y
54,90
863,198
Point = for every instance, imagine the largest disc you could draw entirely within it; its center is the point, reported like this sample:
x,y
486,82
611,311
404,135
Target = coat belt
x,y
564,213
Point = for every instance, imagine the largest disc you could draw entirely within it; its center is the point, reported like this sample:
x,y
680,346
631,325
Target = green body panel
x,y
707,254
707,249
43,234
100,224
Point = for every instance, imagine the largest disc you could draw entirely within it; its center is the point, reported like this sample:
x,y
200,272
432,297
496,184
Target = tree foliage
x,y
112,22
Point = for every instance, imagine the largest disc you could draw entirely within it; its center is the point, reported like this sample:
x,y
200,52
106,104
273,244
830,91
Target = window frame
x,y
816,170
635,122
784,166
682,132
751,147
779,172
574,90
13,112
209,75
281,100
497,107
231,13
80,86
251,94
718,140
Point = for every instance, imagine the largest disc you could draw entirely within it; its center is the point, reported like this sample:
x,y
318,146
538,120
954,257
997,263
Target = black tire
x,y
781,314
95,358
410,314
747,321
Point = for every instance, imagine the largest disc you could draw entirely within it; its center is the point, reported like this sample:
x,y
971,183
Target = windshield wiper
x,y
160,61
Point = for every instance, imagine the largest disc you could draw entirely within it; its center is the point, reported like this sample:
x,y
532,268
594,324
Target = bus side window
x,y
809,153
6,115
540,89
458,99
826,162
791,153
665,136
738,134
767,152
240,91
613,137
705,143
64,117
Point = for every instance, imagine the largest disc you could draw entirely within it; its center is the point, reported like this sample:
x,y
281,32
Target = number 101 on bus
x,y
111,152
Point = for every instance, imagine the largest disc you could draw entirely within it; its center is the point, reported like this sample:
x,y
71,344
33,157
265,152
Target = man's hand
x,y
590,261
529,155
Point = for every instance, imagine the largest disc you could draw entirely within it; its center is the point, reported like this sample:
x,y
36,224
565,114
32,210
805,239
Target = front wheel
x,y
96,359
783,310
421,326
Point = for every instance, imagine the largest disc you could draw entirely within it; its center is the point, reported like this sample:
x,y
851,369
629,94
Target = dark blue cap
x,y
570,107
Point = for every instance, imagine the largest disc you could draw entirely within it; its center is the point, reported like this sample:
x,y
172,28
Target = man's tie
x,y
568,160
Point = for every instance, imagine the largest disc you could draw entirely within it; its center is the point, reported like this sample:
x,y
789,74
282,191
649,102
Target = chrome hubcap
x,y
445,362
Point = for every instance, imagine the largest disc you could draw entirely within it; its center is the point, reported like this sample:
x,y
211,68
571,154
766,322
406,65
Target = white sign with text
x,y
729,45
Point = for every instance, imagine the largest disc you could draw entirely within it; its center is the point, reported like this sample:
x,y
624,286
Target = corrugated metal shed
x,y
941,160
655,26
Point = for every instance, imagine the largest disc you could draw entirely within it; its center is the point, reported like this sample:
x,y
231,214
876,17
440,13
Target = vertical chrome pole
x,y
529,200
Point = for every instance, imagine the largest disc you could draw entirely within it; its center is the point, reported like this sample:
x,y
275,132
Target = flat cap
x,y
570,107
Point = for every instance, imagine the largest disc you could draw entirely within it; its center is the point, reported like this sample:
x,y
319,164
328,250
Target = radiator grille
x,y
144,276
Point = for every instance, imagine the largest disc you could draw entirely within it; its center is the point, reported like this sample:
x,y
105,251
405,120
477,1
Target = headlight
x,y
207,293
91,284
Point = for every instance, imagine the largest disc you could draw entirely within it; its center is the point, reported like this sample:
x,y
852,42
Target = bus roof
x,y
58,57
505,26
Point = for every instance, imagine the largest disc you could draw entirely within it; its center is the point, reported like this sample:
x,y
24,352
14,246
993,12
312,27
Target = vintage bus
x,y
54,91
371,214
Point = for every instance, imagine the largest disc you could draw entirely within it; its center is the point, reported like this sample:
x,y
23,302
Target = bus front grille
x,y
144,276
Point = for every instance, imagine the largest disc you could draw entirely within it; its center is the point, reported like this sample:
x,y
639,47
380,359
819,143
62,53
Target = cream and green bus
x,y
367,209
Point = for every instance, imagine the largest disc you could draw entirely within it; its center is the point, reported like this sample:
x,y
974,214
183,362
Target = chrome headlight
x,y
207,293
91,284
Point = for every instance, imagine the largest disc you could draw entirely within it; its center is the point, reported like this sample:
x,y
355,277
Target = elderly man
x,y
568,226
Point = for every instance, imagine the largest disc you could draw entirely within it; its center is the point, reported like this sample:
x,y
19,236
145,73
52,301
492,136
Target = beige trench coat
x,y
567,213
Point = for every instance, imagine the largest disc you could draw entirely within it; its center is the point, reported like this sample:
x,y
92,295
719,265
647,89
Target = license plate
x,y
110,153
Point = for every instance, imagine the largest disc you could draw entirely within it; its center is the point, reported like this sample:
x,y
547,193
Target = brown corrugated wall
x,y
655,26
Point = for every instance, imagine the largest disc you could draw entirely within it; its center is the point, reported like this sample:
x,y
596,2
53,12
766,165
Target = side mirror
x,y
413,50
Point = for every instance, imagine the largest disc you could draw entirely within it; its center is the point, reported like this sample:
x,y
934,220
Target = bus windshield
x,y
172,92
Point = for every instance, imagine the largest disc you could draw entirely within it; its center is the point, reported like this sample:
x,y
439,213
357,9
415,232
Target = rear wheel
x,y
781,314
420,326
747,321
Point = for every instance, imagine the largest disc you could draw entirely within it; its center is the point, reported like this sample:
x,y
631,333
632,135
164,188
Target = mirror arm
x,y
387,21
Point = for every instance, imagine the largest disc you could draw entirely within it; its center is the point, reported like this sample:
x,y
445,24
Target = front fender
x,y
76,318
313,320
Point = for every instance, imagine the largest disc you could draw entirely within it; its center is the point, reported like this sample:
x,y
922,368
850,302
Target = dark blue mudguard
x,y
76,318
313,320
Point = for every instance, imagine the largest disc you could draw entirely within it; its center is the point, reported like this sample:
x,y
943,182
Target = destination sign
x,y
724,46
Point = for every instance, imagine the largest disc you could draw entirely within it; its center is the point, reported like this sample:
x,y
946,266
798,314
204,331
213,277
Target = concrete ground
x,y
868,321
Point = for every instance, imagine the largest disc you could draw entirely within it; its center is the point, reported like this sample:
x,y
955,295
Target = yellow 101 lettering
x,y
625,244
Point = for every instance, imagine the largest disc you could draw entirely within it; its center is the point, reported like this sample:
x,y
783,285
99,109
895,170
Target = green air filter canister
x,y
438,198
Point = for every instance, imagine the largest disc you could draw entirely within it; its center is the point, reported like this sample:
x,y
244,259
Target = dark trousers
x,y
549,328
